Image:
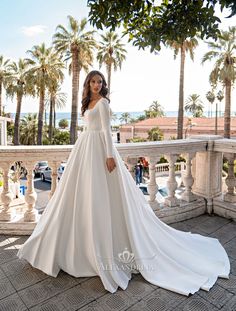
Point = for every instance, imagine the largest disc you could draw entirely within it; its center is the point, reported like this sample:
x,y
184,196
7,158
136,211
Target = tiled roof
x,y
171,122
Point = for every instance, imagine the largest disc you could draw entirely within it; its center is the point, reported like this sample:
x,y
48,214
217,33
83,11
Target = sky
x,y
144,76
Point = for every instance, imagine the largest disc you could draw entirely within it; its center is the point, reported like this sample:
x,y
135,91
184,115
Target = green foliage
x,y
194,105
10,129
155,134
63,123
147,22
138,140
125,117
61,138
115,127
28,129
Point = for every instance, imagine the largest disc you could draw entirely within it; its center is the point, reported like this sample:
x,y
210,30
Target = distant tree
x,y
194,105
63,123
46,66
113,116
155,110
76,44
3,75
220,97
28,129
187,45
210,96
61,138
18,84
111,53
155,134
224,71
125,117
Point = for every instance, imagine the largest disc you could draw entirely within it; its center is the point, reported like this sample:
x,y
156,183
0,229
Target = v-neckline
x,y
95,104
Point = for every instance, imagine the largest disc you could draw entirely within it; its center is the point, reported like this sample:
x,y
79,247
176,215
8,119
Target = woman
x,y
99,223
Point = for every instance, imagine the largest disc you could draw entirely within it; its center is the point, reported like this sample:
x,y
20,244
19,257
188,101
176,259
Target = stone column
x,y
30,195
171,200
6,213
188,179
152,185
207,172
230,195
54,166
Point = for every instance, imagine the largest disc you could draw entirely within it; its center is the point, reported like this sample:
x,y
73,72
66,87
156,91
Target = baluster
x,y
54,178
152,185
230,195
171,200
30,195
6,213
188,180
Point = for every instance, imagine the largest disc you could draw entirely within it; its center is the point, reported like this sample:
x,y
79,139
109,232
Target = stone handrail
x,y
200,153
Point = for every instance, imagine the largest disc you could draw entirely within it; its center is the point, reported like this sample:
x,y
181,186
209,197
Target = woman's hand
x,y
111,164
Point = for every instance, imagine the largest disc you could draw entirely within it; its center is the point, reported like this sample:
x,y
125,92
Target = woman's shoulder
x,y
104,102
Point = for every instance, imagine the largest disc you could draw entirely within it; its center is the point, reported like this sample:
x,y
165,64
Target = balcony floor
x,y
25,288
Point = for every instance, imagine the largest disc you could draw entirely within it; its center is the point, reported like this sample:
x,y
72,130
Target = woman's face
x,y
96,84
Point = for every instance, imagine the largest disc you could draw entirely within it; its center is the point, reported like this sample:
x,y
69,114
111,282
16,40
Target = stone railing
x,y
163,168
201,177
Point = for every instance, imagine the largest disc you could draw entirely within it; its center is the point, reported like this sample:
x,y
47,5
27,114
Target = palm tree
x,y
210,96
3,75
54,99
194,105
220,97
155,134
183,48
28,129
155,110
76,44
18,84
224,71
113,116
125,117
111,53
47,66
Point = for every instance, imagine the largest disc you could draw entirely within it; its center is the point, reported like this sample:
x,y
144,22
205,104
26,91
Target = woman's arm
x,y
104,110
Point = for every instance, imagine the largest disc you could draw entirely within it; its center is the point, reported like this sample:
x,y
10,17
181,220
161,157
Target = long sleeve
x,y
104,110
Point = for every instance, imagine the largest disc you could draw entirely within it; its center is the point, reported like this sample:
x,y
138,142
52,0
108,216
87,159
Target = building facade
x,y
168,126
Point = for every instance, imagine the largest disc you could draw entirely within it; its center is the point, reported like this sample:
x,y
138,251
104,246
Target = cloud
x,y
33,31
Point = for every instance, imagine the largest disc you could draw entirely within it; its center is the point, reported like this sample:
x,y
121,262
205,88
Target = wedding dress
x,y
99,223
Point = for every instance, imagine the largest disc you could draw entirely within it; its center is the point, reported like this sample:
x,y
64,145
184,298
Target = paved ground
x,y
25,288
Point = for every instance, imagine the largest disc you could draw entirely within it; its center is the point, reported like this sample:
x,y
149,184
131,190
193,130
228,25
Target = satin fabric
x,y
99,223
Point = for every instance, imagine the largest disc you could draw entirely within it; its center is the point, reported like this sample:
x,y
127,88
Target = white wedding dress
x,y
99,223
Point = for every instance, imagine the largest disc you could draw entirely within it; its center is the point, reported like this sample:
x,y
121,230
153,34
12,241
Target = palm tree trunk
x,y
109,79
17,120
74,105
45,116
1,97
40,116
181,95
50,119
216,119
54,116
227,114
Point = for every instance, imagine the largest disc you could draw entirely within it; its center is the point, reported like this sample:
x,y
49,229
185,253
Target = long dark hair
x,y
86,96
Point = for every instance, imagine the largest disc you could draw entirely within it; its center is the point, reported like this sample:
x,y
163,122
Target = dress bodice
x,y
98,119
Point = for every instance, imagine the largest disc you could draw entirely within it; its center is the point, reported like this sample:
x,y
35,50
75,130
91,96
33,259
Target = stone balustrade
x,y
201,178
